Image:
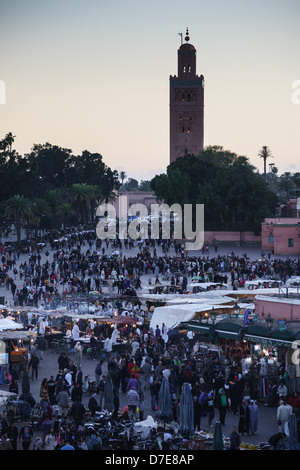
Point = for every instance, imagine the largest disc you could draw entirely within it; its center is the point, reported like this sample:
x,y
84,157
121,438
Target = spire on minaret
x,y
187,38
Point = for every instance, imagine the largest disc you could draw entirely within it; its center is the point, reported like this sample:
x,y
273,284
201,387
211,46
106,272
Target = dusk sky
x,y
94,75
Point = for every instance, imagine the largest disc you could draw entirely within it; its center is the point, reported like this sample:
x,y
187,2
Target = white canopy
x,y
7,324
173,315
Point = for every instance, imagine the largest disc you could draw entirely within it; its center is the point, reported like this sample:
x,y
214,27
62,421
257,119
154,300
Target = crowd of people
x,y
217,384
80,264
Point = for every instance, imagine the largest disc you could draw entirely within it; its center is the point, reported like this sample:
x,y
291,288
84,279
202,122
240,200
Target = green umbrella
x,y
218,437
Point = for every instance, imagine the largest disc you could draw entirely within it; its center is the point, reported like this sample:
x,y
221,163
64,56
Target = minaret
x,y
186,105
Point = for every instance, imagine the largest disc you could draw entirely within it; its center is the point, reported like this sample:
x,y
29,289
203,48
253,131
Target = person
x,y
282,390
50,440
75,332
134,346
146,370
13,386
34,364
101,391
203,404
253,416
42,327
107,346
294,402
93,404
222,405
284,412
68,380
51,390
12,435
133,383
3,425
44,394
94,442
279,441
63,361
235,394
26,435
77,411
235,439
67,446
210,409
5,444
154,390
36,415
132,400
63,403
76,393
78,353
197,412
42,344
98,372
72,372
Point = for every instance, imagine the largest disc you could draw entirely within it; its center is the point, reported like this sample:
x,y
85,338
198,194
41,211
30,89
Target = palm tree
x,y
122,176
286,184
81,195
54,200
65,210
20,209
41,210
265,153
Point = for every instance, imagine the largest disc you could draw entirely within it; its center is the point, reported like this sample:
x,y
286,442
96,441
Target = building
x,y
146,198
281,235
186,105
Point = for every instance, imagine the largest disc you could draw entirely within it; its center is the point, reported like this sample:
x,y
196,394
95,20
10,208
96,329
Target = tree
x,y
122,176
54,199
286,184
144,185
6,143
132,184
265,153
66,210
234,194
49,166
80,195
20,209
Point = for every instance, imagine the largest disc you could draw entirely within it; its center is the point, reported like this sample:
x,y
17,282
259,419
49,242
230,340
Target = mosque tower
x,y
186,105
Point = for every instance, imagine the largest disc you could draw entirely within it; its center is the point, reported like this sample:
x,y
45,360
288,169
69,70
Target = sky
x,y
94,75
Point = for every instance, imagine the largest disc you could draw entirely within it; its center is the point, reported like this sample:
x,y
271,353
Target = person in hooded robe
x,y
109,393
253,416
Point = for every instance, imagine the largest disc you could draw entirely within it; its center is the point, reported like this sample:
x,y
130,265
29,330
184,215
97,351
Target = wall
x,y
279,308
232,238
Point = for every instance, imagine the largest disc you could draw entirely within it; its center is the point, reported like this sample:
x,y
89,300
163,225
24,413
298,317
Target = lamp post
x,y
269,321
213,315
236,309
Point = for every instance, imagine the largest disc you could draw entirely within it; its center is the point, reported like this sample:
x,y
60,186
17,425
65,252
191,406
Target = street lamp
x,y
213,315
269,321
236,309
